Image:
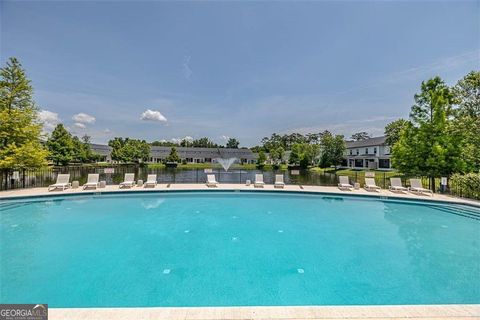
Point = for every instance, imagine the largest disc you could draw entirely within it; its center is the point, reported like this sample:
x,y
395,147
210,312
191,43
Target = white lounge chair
x,y
279,181
396,185
129,180
370,185
416,186
211,182
258,181
344,183
151,181
63,182
92,181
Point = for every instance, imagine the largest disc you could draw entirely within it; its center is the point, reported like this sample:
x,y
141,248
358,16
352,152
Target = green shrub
x,y
467,185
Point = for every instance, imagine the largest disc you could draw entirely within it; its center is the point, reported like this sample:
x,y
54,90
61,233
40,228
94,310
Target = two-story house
x,y
371,153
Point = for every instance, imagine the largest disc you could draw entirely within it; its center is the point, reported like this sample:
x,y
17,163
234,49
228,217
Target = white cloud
x,y
83,118
49,119
178,140
79,125
224,137
153,115
107,131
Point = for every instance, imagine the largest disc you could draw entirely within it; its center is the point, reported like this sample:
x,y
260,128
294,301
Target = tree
x,y
129,150
116,144
78,150
296,154
310,154
20,129
467,95
393,130
277,155
173,156
186,142
427,145
313,138
303,154
257,149
87,148
61,146
164,143
82,149
290,139
467,119
271,143
286,141
261,158
332,149
361,136
233,143
204,143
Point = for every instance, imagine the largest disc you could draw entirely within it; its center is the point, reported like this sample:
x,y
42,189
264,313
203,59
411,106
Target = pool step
x,y
7,206
461,211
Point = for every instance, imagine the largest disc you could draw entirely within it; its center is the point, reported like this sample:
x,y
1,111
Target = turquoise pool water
x,y
236,249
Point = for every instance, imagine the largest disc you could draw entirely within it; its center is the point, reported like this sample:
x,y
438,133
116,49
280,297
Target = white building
x,y
187,154
371,153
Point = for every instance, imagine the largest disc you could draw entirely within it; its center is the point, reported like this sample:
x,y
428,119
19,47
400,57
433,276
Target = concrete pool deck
x,y
232,187
411,312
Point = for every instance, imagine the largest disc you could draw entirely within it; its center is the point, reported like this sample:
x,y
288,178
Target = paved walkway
x,y
418,312
230,187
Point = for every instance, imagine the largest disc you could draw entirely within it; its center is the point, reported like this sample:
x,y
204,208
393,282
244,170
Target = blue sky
x,y
235,69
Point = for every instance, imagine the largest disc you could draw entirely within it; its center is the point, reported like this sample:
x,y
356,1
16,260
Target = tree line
x,y
65,148
324,149
204,142
442,134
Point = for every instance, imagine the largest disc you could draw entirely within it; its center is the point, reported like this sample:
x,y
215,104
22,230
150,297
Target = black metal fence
x,y
45,177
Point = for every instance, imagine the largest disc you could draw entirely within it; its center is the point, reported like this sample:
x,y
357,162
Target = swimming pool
x,y
237,249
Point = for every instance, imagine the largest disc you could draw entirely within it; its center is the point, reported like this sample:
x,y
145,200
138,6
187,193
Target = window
x,y
358,152
384,163
375,150
366,150
351,151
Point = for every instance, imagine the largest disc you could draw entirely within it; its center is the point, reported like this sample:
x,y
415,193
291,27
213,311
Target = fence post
x,y
384,180
23,179
196,172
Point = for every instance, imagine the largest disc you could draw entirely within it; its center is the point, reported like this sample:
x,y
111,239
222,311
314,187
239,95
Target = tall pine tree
x,y
61,146
20,129
426,145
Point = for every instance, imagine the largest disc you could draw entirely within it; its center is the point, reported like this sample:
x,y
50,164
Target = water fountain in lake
x,y
226,162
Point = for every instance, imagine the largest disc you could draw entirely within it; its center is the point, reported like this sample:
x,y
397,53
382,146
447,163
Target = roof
x,y
376,141
101,149
191,152
187,152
